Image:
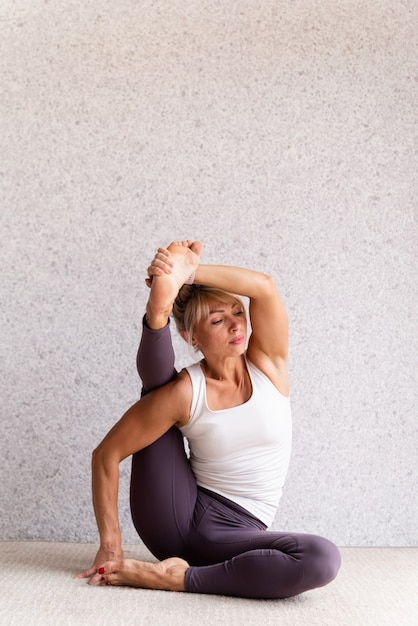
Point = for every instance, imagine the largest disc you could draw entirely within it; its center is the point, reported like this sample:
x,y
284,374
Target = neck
x,y
230,370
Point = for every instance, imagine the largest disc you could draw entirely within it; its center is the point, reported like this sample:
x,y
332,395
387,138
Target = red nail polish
x,y
101,570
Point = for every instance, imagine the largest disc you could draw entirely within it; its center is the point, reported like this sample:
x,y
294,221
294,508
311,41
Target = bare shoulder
x,y
276,371
182,383
183,394
174,397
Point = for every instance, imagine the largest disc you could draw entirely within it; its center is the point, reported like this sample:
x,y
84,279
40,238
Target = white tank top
x,y
243,452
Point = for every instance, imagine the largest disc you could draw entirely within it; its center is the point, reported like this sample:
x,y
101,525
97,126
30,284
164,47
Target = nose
x,y
235,325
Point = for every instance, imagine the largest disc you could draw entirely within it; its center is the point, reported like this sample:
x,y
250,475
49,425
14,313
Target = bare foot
x,y
184,256
163,261
167,575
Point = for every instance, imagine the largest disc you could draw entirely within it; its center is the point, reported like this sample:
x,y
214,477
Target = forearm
x,y
105,486
238,280
268,315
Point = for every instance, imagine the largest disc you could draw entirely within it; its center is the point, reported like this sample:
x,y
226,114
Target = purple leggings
x,y
229,550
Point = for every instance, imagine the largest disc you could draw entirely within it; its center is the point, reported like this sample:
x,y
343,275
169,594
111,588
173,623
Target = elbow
x,y
97,457
267,284
103,458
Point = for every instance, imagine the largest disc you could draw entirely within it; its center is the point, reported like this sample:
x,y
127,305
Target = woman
x,y
206,517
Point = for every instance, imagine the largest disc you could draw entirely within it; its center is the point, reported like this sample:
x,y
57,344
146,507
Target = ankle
x,y
175,576
156,318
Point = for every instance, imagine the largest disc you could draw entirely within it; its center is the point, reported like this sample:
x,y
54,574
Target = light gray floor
x,y
376,586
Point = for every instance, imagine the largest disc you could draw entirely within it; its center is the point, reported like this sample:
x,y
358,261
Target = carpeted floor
x,y
376,586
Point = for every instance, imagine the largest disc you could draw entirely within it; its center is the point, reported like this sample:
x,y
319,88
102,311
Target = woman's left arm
x,y
269,322
268,344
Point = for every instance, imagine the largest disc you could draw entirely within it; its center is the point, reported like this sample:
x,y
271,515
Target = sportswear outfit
x,y
213,509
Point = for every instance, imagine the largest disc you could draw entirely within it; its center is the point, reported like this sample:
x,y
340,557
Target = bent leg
x,y
163,486
262,574
163,495
293,564
155,357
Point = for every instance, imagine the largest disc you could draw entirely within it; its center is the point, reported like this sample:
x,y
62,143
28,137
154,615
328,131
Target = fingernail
x,y
101,570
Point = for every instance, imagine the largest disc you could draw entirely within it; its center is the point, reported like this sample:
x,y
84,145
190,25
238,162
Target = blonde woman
x,y
206,517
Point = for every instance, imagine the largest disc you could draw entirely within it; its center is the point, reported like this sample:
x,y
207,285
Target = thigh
x,y
232,553
222,530
163,495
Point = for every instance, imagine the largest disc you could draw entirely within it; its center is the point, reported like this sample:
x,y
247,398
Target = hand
x,y
102,556
160,264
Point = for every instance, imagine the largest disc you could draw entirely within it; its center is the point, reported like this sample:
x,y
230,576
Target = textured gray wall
x,y
281,134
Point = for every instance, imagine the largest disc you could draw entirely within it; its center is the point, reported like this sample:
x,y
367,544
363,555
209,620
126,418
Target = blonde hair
x,y
192,305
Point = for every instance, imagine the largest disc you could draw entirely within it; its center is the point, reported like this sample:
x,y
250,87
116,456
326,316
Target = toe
x,y
197,247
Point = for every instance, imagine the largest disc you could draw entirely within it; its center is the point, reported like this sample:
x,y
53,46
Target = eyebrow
x,y
233,306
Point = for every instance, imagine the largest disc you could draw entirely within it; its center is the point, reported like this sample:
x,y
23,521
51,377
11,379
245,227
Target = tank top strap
x,y
199,390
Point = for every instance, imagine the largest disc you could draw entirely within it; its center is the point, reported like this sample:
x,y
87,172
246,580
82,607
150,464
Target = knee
x,y
322,562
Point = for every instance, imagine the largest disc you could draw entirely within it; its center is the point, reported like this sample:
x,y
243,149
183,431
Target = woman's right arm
x,y
140,426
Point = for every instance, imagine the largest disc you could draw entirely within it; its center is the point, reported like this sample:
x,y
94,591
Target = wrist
x,y
111,543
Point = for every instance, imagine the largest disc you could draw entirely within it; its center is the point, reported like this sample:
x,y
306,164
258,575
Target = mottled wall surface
x,y
281,134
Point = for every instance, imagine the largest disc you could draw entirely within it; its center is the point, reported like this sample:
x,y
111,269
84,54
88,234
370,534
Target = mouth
x,y
237,341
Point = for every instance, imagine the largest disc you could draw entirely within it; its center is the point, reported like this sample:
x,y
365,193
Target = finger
x,y
102,575
153,270
163,257
95,579
162,267
109,578
99,572
161,263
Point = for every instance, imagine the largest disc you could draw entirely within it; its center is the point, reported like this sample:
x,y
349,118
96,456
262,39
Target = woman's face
x,y
223,332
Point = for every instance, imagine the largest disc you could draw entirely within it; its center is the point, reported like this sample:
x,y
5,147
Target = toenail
x,y
101,570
